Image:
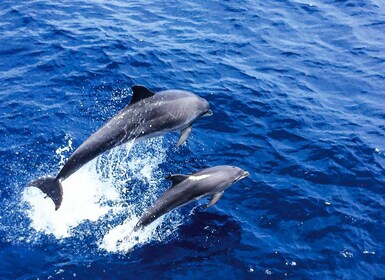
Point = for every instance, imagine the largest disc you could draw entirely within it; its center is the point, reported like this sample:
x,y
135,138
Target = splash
x,y
85,198
63,151
122,238
117,186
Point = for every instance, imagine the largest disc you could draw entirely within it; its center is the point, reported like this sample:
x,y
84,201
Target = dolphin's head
x,y
236,173
203,107
231,174
218,178
228,173
184,106
197,106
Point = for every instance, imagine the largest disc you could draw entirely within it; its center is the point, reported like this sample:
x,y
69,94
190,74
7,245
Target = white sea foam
x,y
120,184
83,197
122,238
63,151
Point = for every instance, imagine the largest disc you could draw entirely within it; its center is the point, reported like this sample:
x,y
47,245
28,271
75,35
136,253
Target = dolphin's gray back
x,y
166,111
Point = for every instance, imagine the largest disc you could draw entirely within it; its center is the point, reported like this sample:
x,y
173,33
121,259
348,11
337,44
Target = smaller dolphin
x,y
187,188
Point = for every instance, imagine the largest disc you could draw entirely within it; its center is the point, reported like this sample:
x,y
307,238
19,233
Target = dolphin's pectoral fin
x,y
177,178
139,93
184,135
214,199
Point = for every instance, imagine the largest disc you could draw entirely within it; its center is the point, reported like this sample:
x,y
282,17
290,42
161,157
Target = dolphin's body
x,y
187,188
148,115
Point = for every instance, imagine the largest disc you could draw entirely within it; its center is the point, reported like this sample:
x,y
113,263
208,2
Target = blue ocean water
x,y
297,90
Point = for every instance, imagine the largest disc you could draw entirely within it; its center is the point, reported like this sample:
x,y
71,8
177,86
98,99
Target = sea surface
x,y
297,89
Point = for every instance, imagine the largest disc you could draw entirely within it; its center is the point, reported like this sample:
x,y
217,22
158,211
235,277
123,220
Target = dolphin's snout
x,y
208,113
244,175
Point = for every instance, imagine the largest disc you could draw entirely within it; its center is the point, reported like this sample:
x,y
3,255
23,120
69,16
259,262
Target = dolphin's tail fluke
x,y
51,187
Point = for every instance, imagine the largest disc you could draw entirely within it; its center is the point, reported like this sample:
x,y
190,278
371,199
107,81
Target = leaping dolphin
x,y
148,115
187,188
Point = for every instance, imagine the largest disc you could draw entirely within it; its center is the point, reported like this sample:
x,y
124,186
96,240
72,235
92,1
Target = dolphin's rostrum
x,y
187,188
148,115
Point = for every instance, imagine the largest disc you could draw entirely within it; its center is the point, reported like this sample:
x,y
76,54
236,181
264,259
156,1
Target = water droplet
x,y
369,252
346,254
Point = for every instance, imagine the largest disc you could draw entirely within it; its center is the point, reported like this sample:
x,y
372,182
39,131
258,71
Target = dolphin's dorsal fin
x,y
214,198
177,178
140,93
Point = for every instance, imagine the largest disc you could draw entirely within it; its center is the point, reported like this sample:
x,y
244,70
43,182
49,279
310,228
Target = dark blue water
x,y
297,90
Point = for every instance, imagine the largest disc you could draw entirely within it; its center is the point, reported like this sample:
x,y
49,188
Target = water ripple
x,y
296,89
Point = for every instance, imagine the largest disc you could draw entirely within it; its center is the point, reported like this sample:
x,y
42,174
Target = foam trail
x,y
122,238
84,194
118,185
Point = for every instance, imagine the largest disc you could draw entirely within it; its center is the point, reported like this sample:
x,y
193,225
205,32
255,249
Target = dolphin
x,y
211,181
148,115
